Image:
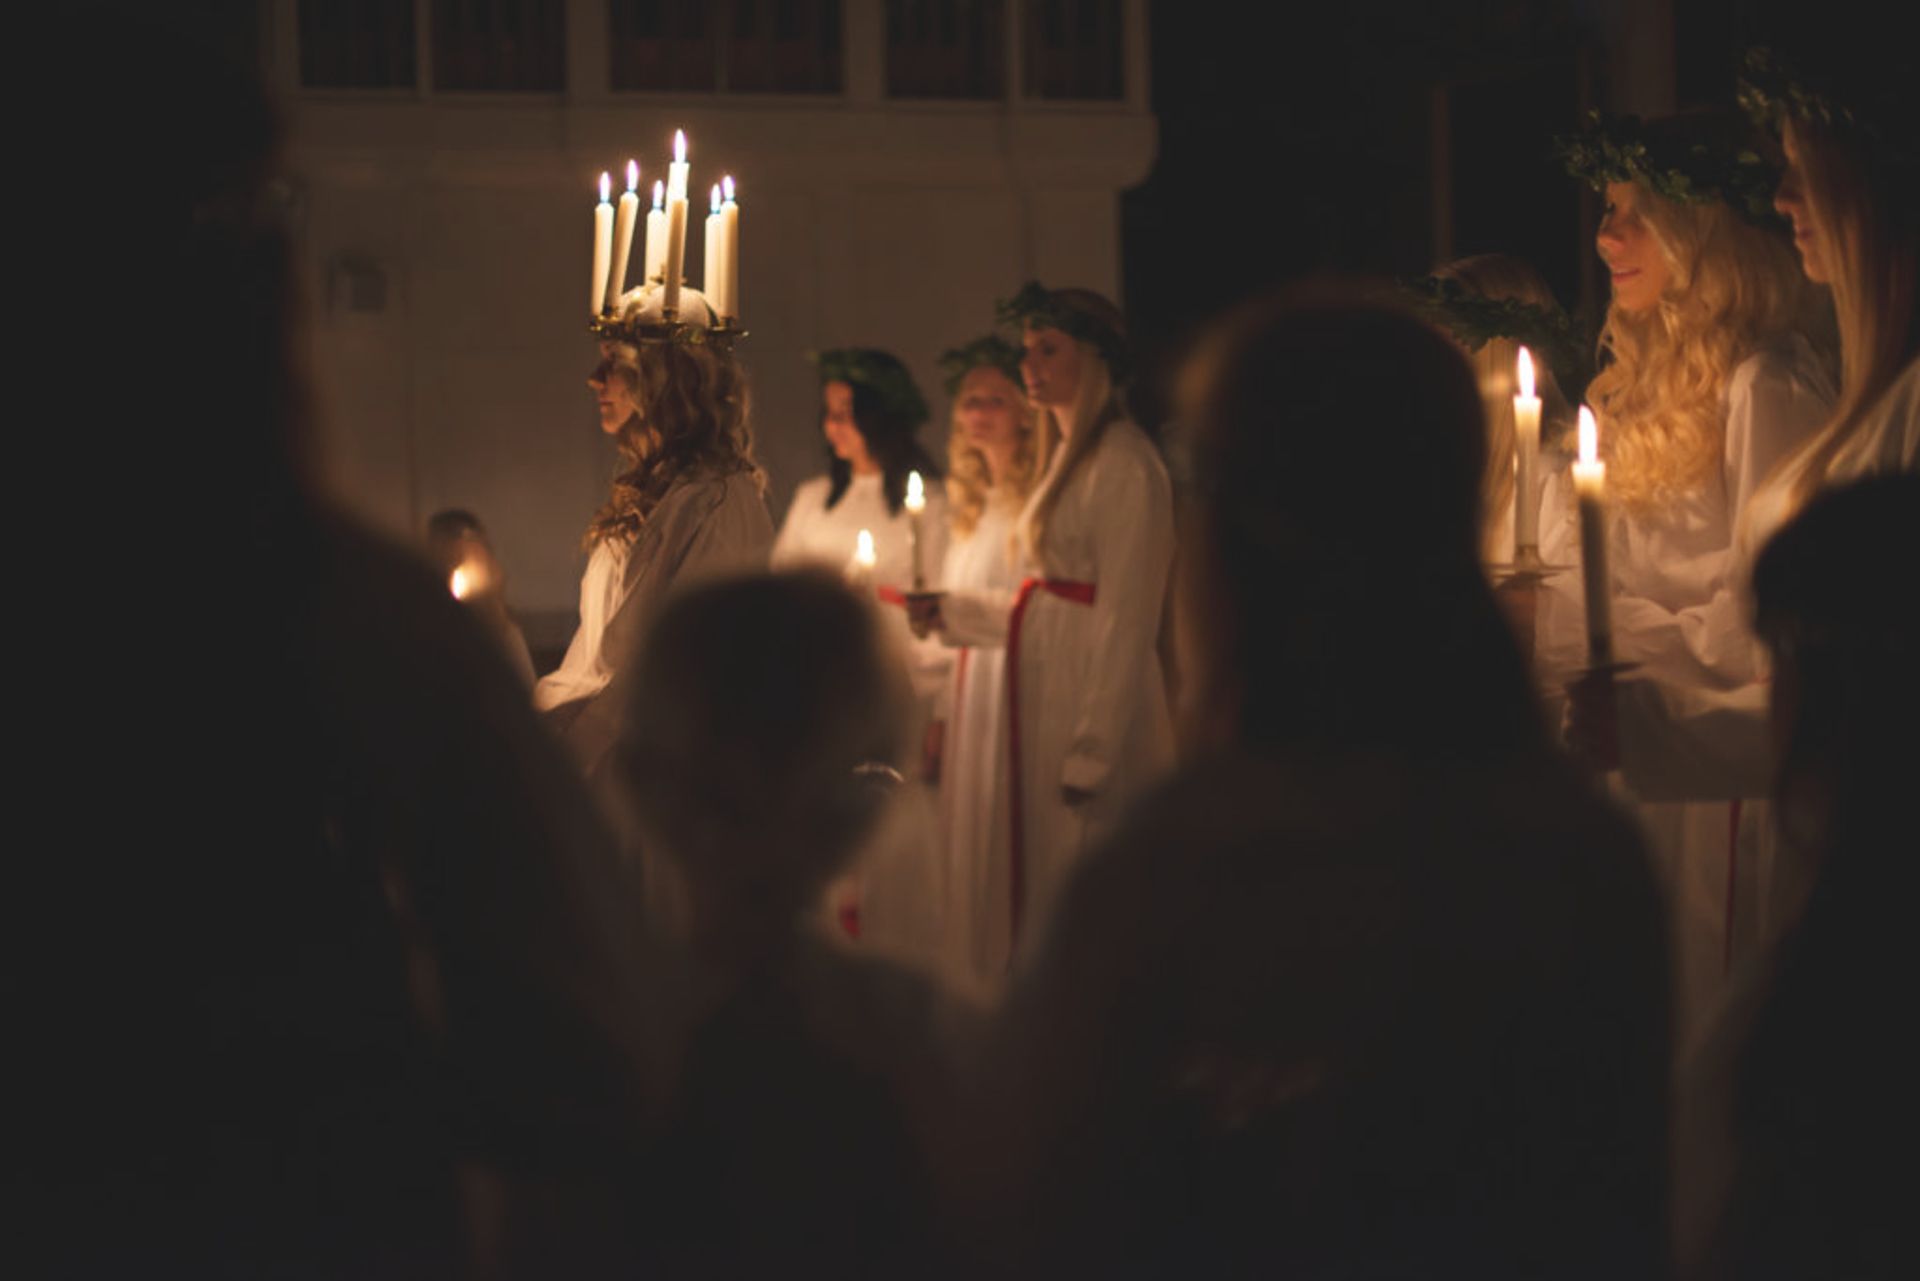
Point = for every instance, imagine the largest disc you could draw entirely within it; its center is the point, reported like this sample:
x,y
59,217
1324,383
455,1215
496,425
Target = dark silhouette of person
x,y
1375,986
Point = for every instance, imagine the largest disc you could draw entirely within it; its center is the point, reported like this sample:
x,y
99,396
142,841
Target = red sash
x,y
890,596
1079,594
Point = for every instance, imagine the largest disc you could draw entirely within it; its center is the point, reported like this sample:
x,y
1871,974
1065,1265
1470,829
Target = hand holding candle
x,y
602,243
1590,487
1526,460
916,505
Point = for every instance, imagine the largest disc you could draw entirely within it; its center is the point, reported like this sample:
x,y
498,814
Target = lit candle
x,y
1590,487
716,278
623,235
676,223
602,242
730,242
860,568
458,583
916,504
1526,460
652,270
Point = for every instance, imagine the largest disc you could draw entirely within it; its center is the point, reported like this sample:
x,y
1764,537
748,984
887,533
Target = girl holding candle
x,y
1087,724
1718,371
687,503
990,472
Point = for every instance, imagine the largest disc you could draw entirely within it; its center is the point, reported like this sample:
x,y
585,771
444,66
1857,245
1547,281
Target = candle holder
x,y
1525,568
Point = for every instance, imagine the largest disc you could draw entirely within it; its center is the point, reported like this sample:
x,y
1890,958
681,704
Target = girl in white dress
x,y
1087,720
687,504
1718,371
990,471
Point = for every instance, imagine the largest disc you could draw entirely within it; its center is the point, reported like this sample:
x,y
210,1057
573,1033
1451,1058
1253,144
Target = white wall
x,y
863,222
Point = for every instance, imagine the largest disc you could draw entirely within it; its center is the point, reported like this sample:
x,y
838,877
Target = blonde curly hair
x,y
1660,403
970,485
692,417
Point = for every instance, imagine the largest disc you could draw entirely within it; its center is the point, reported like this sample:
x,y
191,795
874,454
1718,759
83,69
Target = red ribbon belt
x,y
890,596
1079,594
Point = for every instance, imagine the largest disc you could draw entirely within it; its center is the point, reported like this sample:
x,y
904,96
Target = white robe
x,y
705,527
1679,612
1092,697
973,792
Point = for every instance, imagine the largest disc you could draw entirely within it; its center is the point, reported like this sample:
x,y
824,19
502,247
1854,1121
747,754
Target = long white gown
x,y
973,789
1679,613
705,527
1091,698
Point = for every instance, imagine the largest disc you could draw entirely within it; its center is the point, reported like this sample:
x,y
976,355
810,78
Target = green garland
x,y
637,332
1687,170
1037,307
877,371
988,350
1474,320
1772,88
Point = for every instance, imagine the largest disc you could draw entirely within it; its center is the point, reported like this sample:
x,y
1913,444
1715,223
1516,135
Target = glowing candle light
x,y
1590,487
602,242
730,245
653,269
916,504
1526,461
623,235
459,584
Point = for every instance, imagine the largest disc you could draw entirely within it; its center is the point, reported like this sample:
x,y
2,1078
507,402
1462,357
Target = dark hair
x,y
890,429
454,522
1339,451
751,779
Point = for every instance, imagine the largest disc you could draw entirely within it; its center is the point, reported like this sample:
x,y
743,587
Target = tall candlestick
x,y
730,242
623,236
676,224
1526,460
1590,487
653,268
602,243
715,279
916,504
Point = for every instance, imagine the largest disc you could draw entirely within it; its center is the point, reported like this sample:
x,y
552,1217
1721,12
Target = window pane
x,y
662,45
783,46
946,48
356,44
1073,49
499,45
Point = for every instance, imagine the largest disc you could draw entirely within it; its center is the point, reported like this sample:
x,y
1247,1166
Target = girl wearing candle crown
x,y
1087,719
1718,371
686,504
990,472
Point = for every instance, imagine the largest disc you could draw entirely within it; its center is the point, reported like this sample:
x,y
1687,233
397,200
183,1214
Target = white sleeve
x,y
1682,744
788,546
1133,537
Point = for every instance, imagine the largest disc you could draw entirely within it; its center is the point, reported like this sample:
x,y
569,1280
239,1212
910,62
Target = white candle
x,y
916,504
656,248
1590,487
602,242
623,236
730,243
676,223
716,275
860,568
1526,460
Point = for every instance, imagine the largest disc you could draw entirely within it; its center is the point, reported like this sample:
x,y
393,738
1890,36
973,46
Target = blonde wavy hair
x,y
1496,369
1734,287
692,417
970,484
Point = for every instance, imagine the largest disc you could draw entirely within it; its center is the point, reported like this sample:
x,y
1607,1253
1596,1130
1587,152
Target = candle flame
x,y
606,186
633,175
726,188
1526,374
659,194
679,147
1589,436
716,198
459,584
916,493
863,553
